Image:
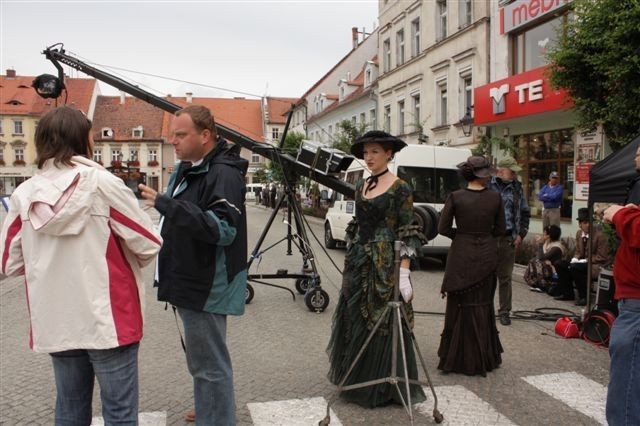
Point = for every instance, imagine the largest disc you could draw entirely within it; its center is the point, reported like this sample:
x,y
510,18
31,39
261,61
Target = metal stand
x,y
397,336
308,280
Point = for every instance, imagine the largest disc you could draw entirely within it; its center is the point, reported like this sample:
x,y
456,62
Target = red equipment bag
x,y
568,328
597,327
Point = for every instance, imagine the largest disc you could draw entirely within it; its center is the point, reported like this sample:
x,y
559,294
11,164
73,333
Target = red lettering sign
x,y
524,94
522,12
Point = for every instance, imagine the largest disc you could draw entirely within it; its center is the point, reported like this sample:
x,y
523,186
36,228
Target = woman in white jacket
x,y
78,235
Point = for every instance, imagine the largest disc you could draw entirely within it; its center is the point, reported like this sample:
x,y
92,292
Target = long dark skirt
x,y
348,335
469,343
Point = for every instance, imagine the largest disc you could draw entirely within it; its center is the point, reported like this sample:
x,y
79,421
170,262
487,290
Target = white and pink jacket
x,y
81,240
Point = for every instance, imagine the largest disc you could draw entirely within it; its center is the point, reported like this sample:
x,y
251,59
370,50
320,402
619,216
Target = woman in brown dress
x,y
469,342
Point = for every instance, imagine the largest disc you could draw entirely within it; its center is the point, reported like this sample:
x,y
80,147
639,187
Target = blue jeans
x,y
623,397
210,365
117,373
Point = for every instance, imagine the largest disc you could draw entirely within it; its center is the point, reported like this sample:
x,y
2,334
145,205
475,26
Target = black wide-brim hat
x,y
480,165
378,136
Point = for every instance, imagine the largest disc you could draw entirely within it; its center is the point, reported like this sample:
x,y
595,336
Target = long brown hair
x,y
62,133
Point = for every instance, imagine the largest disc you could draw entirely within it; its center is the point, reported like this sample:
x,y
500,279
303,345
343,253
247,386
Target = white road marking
x,y
152,418
575,390
292,412
460,406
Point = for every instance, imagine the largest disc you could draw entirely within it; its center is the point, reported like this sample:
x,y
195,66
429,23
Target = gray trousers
x,y
506,259
551,217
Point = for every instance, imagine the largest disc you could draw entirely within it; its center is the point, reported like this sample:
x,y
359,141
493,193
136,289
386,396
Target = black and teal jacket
x,y
203,261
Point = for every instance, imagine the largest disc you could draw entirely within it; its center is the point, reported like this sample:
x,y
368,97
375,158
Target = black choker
x,y
372,181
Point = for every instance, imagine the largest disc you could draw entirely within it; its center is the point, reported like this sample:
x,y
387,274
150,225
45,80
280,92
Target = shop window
x,y
530,47
540,154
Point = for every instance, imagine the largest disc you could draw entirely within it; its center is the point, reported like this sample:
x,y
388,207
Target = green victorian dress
x,y
367,286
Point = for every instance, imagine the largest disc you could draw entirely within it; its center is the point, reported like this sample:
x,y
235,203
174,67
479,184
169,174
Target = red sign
x,y
523,12
524,94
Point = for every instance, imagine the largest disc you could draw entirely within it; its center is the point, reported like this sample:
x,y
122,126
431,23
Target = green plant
x,y
486,145
347,133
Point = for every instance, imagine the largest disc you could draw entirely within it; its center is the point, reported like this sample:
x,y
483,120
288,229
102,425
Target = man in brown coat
x,y
599,255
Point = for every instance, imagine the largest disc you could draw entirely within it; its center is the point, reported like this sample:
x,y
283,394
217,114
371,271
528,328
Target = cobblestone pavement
x,y
278,351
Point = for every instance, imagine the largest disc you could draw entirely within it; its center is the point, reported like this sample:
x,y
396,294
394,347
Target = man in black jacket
x,y
202,264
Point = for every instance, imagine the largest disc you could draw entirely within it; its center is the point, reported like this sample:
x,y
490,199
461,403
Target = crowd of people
x,y
81,239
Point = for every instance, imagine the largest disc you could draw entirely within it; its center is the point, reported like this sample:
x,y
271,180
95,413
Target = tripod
x,y
307,282
395,307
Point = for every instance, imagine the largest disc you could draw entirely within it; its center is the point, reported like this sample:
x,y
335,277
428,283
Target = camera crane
x,y
307,283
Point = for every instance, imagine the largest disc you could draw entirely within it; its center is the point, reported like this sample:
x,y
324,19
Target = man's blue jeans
x,y
117,373
210,365
623,397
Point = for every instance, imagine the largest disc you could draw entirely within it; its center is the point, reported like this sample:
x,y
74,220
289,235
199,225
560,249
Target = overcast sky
x,y
279,48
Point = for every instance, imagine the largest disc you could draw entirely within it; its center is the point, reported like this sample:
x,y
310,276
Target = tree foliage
x,y
291,146
597,61
347,132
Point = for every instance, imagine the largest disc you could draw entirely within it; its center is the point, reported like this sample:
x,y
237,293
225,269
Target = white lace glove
x,y
405,285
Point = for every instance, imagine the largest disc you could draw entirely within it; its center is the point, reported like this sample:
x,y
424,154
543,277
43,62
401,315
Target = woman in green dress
x,y
384,213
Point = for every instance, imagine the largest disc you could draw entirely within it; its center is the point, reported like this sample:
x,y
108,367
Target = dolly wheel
x,y
317,300
302,285
248,294
325,421
437,416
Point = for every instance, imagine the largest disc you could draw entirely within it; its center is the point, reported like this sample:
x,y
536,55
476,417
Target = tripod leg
x,y
265,231
404,363
438,417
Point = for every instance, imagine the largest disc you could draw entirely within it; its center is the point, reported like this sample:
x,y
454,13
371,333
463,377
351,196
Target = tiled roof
x,y
278,109
123,118
27,102
242,115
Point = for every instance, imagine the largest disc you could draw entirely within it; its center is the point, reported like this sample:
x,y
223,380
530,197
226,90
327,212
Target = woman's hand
x,y
405,285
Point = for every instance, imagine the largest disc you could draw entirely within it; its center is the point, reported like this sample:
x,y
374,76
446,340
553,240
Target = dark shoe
x,y
581,302
563,298
504,319
190,416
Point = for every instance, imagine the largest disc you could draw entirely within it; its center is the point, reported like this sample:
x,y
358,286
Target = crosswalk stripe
x,y
292,412
151,418
460,406
575,390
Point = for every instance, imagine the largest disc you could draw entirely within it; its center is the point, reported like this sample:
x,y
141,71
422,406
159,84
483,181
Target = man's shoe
x,y
563,298
581,302
504,319
190,416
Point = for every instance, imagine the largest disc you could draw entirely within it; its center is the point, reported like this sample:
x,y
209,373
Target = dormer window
x,y
107,133
14,102
137,132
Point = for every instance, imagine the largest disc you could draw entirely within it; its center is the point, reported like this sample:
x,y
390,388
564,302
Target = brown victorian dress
x,y
469,342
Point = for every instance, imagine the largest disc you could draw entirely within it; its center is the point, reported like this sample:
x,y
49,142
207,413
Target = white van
x,y
430,170
251,191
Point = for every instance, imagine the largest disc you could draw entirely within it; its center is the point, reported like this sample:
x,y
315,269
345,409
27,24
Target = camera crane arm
x,y
58,55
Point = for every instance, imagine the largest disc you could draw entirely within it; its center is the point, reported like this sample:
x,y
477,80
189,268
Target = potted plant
x,y
153,163
19,163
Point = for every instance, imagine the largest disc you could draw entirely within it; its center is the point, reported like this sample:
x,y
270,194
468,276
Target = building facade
x,y
432,54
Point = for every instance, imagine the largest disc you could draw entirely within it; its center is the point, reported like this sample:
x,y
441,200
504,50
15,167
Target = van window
x,y
431,185
352,178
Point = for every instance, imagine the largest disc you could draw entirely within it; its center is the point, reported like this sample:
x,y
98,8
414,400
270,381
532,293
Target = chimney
x,y
189,97
354,37
122,97
11,73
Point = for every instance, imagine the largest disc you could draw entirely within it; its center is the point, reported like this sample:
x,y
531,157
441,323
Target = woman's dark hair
x,y
553,231
467,172
61,134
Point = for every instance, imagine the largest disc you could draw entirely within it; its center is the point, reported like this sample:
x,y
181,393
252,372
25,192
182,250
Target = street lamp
x,y
467,123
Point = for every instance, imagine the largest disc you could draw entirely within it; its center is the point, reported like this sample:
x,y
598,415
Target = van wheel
x,y
427,218
329,242
248,295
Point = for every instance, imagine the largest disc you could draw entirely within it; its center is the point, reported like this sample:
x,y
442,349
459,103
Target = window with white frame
x,y
415,101
401,117
399,48
362,118
116,155
373,121
133,154
342,93
19,154
441,23
466,92
275,133
152,155
1,131
387,118
386,55
1,153
330,130
367,79
255,158
97,155
415,37
441,97
17,127
465,12
353,120
106,133
137,132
